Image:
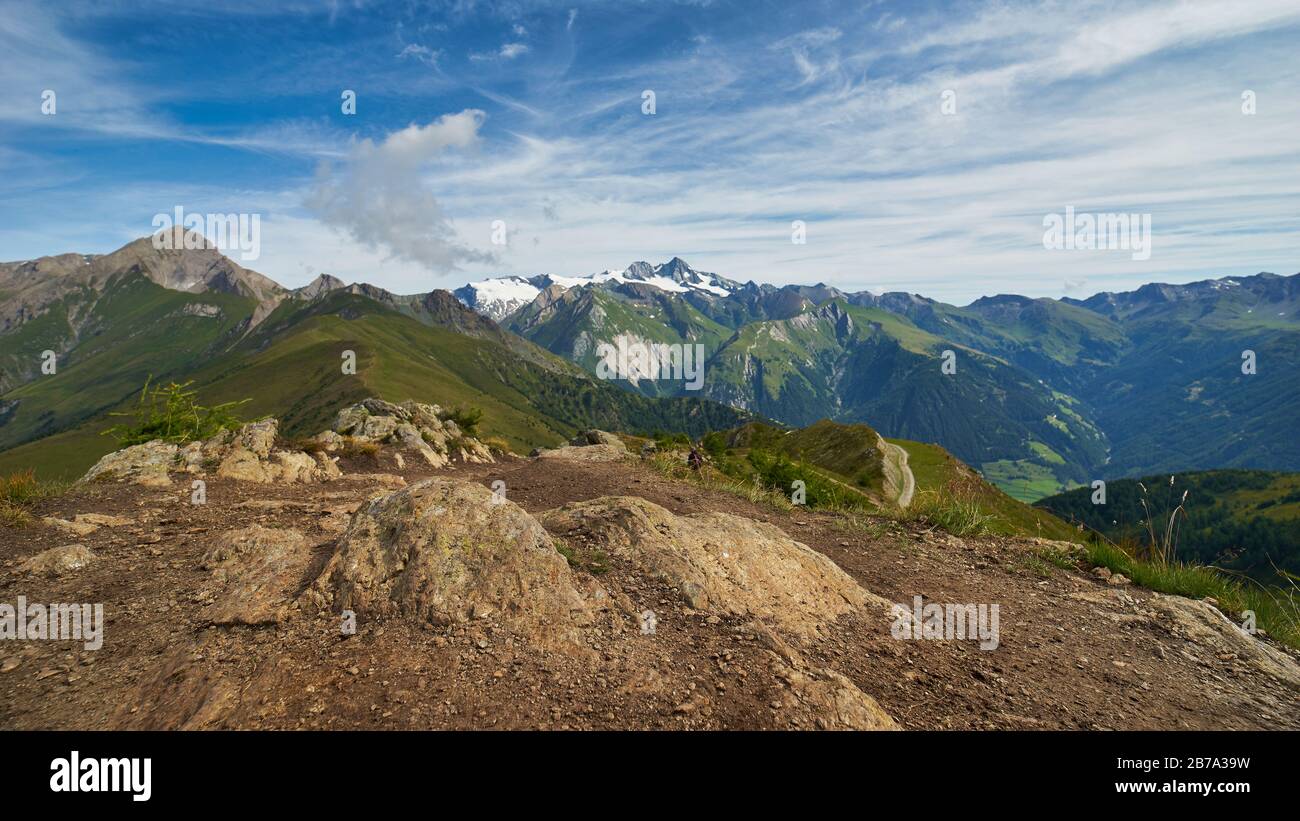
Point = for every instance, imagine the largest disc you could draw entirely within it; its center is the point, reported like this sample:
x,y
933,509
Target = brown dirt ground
x,y
1085,662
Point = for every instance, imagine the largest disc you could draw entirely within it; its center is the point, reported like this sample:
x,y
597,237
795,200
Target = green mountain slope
x,y
844,465
1242,520
1048,392
291,366
574,323
1062,344
132,329
855,364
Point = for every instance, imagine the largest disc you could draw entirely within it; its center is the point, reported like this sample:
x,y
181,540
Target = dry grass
x,y
957,509
20,491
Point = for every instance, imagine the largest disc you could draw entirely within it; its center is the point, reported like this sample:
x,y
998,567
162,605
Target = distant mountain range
x,y
1046,394
112,321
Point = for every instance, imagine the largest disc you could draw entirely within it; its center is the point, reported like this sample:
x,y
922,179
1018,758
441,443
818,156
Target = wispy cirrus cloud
x,y
830,114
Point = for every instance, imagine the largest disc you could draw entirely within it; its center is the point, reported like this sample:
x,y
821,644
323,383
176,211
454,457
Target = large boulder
x,y
719,563
597,437
445,552
58,560
255,572
145,464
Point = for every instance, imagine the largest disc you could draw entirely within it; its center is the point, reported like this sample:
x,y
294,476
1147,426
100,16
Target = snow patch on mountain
x,y
498,297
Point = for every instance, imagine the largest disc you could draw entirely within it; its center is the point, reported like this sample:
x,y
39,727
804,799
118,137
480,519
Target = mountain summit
x,y
498,297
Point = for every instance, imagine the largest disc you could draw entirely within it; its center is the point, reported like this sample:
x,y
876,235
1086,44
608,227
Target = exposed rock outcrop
x,y
719,563
588,446
145,464
247,454
58,560
597,437
255,572
584,453
1202,623
412,426
447,552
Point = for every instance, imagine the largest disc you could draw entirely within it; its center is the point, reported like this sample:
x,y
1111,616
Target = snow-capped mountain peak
x,y
498,297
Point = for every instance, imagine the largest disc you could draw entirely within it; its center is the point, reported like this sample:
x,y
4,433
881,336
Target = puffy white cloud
x,y
380,195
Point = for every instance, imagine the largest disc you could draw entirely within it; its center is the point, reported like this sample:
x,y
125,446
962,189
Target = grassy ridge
x,y
291,367
942,478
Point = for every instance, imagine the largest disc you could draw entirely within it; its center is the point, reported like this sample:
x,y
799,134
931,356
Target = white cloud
x,y
424,54
381,198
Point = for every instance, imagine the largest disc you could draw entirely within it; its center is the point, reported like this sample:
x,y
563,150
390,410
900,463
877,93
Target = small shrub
x,y
589,559
170,413
466,419
497,445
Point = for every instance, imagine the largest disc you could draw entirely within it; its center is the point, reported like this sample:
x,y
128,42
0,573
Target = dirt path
x,y
1073,651
896,468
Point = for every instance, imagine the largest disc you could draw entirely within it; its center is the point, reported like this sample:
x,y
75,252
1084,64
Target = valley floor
x,y
1075,652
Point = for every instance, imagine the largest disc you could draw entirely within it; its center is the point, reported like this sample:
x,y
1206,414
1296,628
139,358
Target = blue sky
x,y
531,113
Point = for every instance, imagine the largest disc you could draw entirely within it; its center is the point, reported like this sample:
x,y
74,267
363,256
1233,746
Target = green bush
x,y
466,419
170,413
